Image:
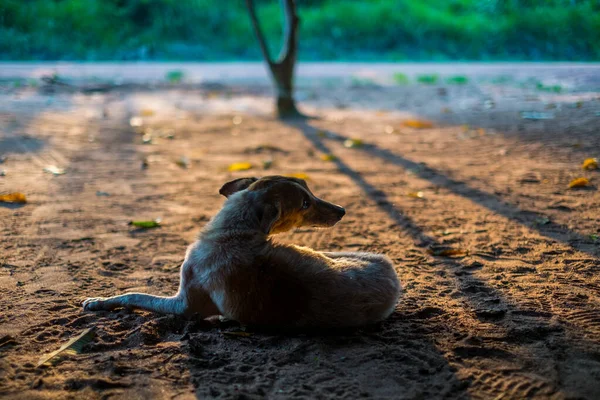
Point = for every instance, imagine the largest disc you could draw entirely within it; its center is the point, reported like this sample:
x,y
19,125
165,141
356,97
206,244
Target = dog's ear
x,y
236,185
268,215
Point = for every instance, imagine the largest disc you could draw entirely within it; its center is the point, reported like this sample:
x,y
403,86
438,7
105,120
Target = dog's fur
x,y
236,271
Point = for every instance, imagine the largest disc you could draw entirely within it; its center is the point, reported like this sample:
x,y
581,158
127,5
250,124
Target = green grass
x,y
551,88
430,79
401,79
360,30
174,76
457,80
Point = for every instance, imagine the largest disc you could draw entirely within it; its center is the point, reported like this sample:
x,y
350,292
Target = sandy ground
x,y
517,317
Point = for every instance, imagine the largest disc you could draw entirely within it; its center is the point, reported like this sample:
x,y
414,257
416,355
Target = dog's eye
x,y
305,204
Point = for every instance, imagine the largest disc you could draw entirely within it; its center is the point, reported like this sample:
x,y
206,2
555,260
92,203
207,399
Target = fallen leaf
x,y
73,346
13,198
237,120
265,148
237,334
542,221
579,182
321,133
416,195
299,175
590,163
328,157
146,224
54,170
241,166
448,252
388,129
594,237
417,124
353,143
183,162
146,112
267,164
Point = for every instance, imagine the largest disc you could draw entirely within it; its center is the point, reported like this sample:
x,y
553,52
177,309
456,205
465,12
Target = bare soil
x,y
515,314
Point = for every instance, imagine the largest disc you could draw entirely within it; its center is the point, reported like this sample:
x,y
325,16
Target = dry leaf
x,y
146,112
579,182
299,175
448,252
54,170
590,163
73,346
183,162
417,195
417,124
542,221
328,157
146,224
13,198
353,143
241,166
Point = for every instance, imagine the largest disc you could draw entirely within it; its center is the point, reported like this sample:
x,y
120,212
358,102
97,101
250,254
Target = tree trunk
x,y
282,70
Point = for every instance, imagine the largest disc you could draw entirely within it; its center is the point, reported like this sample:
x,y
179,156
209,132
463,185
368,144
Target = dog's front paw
x,y
94,304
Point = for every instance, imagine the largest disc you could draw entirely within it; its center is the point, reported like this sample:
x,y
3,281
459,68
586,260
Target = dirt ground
x,y
515,315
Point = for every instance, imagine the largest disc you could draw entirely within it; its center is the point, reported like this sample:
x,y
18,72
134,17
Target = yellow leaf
x,y
417,124
416,195
579,182
13,198
448,252
590,163
352,143
328,157
241,166
146,112
299,175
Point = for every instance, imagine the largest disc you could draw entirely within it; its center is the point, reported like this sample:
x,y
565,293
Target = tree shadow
x,y
492,202
503,322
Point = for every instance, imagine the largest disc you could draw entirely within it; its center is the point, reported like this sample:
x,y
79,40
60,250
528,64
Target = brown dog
x,y
235,270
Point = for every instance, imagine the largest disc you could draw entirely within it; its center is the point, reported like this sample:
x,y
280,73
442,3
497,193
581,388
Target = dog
x,y
236,271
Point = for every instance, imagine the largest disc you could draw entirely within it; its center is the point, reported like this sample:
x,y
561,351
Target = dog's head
x,y
283,203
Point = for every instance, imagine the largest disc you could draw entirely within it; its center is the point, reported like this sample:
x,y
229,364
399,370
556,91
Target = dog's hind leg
x,y
165,305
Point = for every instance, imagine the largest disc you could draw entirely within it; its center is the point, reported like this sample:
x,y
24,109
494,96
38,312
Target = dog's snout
x,y
340,210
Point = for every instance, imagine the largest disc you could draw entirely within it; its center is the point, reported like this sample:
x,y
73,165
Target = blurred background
x,y
350,30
